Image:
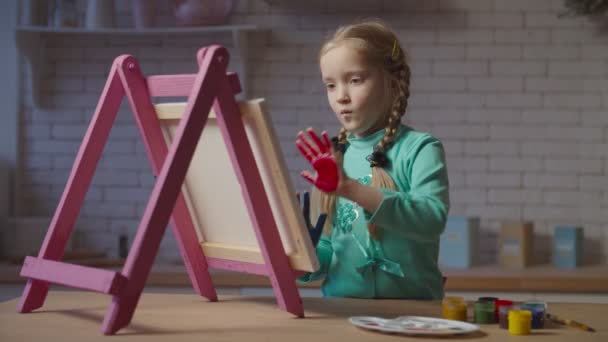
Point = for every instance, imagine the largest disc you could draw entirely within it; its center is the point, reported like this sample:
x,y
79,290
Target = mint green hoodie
x,y
403,262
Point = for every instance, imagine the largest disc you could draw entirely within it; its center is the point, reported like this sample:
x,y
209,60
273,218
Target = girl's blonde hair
x,y
380,47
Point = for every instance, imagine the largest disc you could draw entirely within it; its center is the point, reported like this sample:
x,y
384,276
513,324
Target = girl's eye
x,y
355,80
330,86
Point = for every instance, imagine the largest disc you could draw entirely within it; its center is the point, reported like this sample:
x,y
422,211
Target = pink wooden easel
x,y
211,87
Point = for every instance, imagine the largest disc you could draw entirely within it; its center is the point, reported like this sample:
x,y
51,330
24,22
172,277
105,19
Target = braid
x,y
400,72
342,135
327,202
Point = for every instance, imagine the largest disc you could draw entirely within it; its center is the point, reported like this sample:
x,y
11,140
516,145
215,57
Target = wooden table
x,y
77,316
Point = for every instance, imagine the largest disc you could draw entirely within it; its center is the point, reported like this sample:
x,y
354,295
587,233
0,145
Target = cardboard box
x,y
515,244
567,246
458,243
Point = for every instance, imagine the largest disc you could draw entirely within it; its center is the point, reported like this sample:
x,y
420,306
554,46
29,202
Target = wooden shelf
x,y
31,44
133,31
542,278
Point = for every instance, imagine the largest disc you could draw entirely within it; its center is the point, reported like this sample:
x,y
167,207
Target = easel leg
x,y
76,188
162,200
143,251
33,296
258,206
182,226
191,251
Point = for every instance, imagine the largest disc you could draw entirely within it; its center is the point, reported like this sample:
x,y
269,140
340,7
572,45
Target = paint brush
x,y
570,323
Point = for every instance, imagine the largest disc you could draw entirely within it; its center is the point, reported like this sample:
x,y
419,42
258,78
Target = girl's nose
x,y
343,96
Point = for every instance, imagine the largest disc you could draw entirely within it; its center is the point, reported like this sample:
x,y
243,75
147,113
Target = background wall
x,y
518,96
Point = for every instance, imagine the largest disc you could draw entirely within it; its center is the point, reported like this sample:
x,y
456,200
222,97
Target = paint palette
x,y
414,325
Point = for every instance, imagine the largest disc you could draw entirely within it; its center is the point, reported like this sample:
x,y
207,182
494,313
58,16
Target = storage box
x,y
515,244
458,243
567,246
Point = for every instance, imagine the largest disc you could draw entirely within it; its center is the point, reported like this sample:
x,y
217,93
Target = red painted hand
x,y
319,155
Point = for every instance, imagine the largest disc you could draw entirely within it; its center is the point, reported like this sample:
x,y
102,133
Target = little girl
x,y
383,184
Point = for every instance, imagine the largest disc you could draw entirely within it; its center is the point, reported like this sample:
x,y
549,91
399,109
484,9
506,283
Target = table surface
x,y
77,316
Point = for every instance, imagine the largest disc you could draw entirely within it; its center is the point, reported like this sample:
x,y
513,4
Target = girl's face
x,y
355,90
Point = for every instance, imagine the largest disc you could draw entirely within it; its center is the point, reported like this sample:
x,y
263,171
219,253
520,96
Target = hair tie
x,y
378,158
395,67
337,145
392,61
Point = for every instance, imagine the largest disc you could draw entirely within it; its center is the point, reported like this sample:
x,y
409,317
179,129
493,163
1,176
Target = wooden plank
x,y
482,284
206,29
556,284
68,255
232,252
76,276
181,85
238,266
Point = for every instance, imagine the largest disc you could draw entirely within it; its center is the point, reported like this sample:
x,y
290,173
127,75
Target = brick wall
x,y
518,96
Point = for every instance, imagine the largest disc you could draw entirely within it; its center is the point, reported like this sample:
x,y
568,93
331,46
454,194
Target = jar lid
x,y
453,300
487,299
502,302
520,316
538,308
535,304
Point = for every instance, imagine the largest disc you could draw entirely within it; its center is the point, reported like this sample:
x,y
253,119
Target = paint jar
x,y
520,322
503,315
484,312
537,309
499,303
454,308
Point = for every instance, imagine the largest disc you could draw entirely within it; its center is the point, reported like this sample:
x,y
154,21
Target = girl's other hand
x,y
316,230
319,154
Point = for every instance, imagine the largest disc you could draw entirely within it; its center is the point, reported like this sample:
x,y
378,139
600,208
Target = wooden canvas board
x,y
214,197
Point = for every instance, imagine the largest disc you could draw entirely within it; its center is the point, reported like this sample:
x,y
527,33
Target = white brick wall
x,y
518,96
